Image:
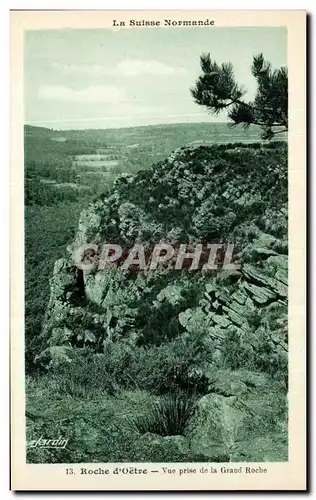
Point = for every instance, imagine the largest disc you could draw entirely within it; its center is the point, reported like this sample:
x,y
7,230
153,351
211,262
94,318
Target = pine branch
x,y
217,90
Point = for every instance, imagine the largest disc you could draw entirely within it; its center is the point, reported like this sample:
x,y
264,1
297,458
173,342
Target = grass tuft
x,y
169,416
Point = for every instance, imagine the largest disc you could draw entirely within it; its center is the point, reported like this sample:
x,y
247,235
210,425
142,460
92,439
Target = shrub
x,y
174,366
169,417
236,353
83,377
257,351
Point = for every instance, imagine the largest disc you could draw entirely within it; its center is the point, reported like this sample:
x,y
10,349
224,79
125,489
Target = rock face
x,y
223,194
258,289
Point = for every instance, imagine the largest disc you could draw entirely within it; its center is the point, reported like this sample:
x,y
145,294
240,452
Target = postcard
x,y
158,185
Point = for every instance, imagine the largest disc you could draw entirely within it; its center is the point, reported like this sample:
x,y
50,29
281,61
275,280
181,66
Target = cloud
x,y
105,93
127,68
133,67
115,118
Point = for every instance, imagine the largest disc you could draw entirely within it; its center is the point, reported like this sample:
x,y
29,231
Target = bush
x,y
175,366
169,417
171,367
88,374
257,352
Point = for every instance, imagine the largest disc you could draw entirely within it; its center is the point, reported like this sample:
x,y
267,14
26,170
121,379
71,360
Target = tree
x,y
216,89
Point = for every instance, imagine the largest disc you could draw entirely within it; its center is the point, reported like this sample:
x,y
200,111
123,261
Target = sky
x,y
78,79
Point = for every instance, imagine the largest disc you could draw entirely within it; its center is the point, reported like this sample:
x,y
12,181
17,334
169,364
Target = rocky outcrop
x,y
257,292
198,190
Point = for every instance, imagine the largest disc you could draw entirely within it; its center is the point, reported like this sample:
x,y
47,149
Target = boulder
x,y
239,297
244,417
259,294
221,320
214,427
235,317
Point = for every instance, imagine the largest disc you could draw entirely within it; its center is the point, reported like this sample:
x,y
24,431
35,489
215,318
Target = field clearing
x,y
60,160
92,157
96,163
92,172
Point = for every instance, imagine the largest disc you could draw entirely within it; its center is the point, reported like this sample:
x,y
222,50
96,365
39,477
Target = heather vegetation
x,y
162,366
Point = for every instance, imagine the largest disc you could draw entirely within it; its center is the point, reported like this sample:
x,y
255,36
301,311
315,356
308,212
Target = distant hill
x,y
37,131
178,133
